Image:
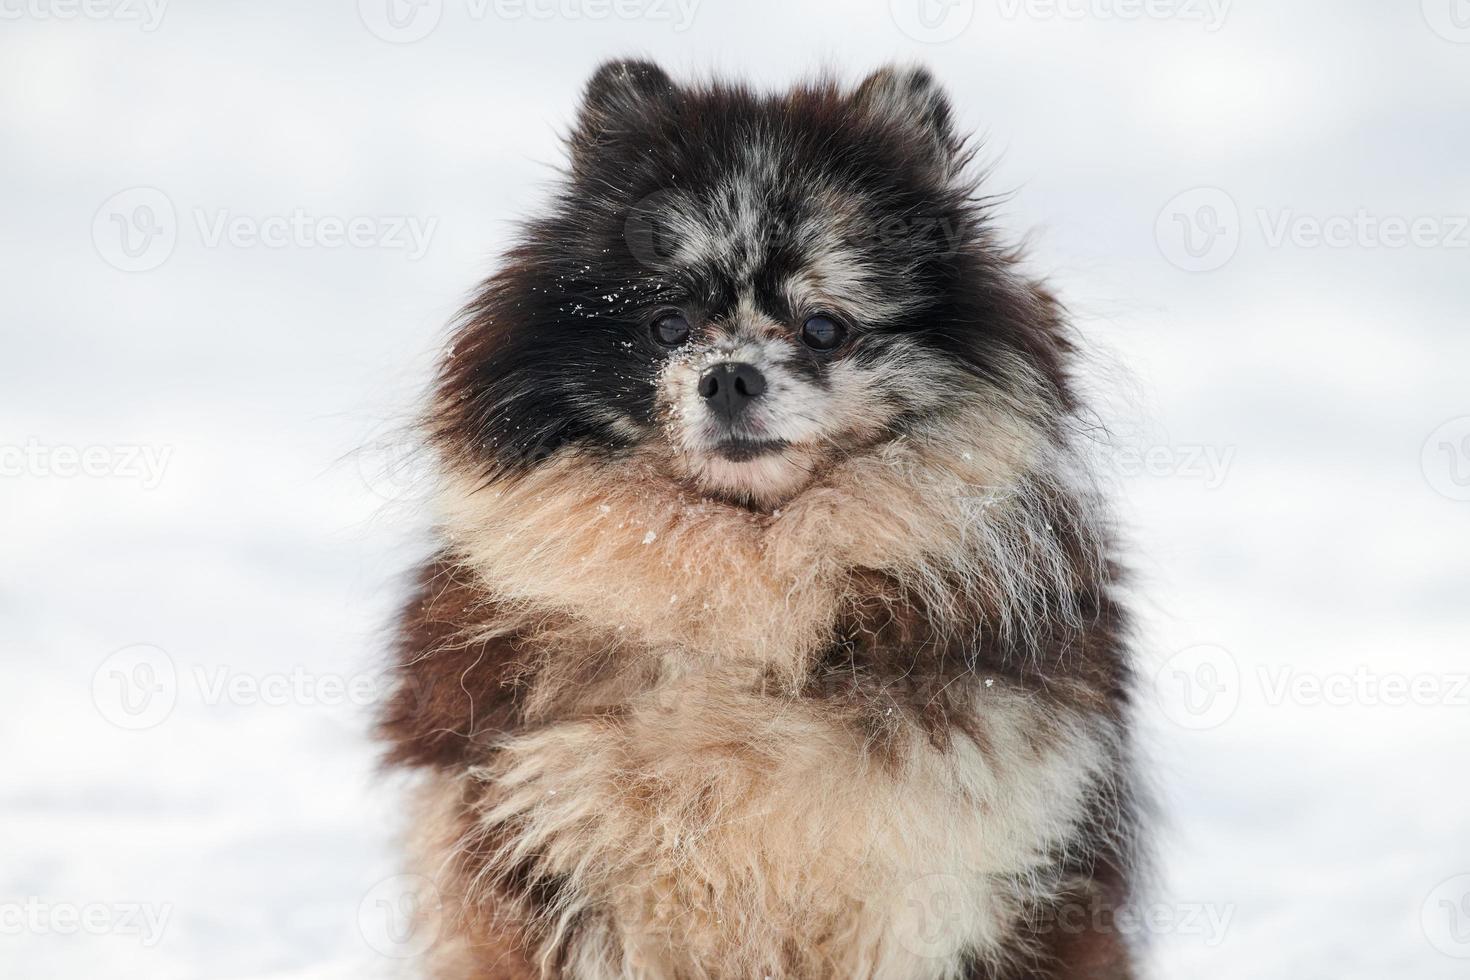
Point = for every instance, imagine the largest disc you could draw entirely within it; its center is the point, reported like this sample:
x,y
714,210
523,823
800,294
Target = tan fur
x,y
467,937
630,549
703,827
708,818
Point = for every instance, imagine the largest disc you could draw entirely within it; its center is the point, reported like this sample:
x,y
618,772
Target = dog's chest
x,y
705,828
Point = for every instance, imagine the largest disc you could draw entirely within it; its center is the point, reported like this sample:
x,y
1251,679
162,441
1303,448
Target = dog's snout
x,y
728,388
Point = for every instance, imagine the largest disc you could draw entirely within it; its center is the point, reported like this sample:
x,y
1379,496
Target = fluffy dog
x,y
774,630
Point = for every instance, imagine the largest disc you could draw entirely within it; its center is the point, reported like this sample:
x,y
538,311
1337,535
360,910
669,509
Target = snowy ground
x,y
188,634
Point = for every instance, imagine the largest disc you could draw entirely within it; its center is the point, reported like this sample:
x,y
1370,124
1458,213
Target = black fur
x,y
556,345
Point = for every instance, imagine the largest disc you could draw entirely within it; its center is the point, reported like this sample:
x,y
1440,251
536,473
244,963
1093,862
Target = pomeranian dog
x,y
773,631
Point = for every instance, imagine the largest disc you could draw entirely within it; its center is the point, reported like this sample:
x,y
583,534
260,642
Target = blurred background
x,y
234,232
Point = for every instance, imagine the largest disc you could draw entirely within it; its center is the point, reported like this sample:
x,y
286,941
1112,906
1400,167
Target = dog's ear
x,y
910,99
625,84
618,95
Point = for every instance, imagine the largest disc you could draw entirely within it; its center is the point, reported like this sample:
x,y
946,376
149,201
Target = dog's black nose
x,y
730,387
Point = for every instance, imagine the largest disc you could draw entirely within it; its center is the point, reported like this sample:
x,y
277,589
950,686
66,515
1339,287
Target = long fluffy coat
x,y
857,712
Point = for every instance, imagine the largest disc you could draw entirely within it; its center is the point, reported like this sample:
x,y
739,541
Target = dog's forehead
x,y
800,232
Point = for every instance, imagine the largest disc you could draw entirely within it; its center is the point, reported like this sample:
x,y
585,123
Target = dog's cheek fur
x,y
620,547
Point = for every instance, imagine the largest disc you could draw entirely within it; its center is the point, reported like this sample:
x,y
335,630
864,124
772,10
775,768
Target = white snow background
x,y
1288,417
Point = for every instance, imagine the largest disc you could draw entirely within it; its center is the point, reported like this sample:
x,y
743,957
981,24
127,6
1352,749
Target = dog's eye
x,y
671,329
821,332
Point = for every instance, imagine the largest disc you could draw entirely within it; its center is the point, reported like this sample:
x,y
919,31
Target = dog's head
x,y
744,290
